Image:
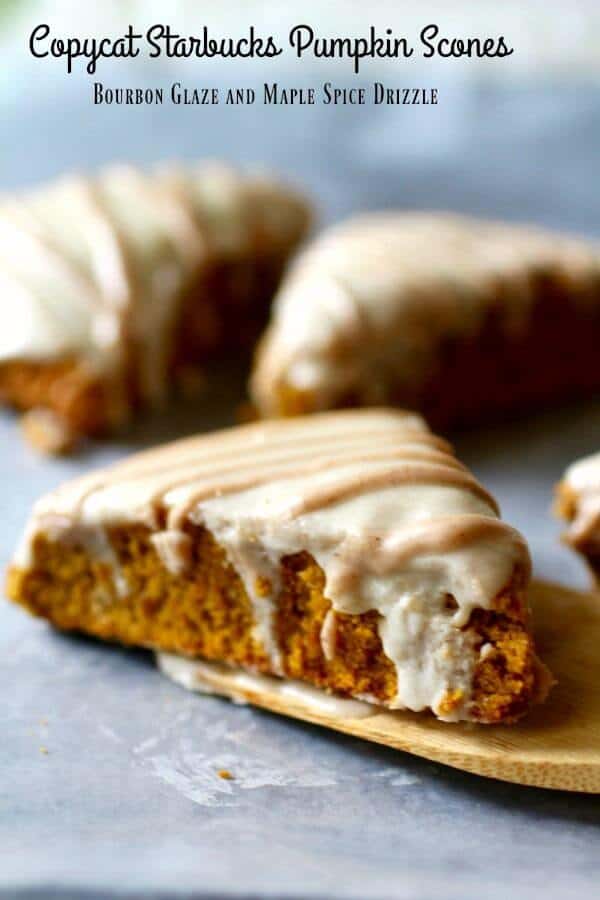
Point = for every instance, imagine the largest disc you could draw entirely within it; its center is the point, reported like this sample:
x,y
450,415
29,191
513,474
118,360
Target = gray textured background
x,y
126,802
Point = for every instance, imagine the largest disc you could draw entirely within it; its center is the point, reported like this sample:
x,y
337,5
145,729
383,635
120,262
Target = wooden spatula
x,y
556,746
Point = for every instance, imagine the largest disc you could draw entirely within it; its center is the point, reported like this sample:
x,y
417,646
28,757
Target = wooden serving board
x,y
557,746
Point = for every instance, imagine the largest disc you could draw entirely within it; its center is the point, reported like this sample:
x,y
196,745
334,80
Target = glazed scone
x,y
116,286
578,501
349,550
462,319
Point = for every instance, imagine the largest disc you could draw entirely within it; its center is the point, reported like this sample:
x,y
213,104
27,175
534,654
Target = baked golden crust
x,y
565,502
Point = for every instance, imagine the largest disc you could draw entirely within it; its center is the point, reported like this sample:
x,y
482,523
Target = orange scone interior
x,y
127,280
207,613
462,319
72,391
265,547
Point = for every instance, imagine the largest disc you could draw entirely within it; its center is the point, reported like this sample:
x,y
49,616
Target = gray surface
x,y
126,800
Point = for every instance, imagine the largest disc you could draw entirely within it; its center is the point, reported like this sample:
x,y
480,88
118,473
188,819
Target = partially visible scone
x,y
578,501
116,286
350,550
462,319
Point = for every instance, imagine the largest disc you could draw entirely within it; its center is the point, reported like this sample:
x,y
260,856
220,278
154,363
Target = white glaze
x,y
584,475
174,549
582,480
394,521
216,678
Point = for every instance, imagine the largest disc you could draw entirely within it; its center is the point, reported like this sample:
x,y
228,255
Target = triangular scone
x,y
349,550
462,319
113,286
578,501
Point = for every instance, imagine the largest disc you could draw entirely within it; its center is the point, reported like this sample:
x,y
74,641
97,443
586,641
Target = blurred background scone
x,y
119,285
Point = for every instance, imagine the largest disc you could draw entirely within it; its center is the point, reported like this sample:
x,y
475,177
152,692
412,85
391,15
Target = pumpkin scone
x,y
349,550
462,319
116,287
578,502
